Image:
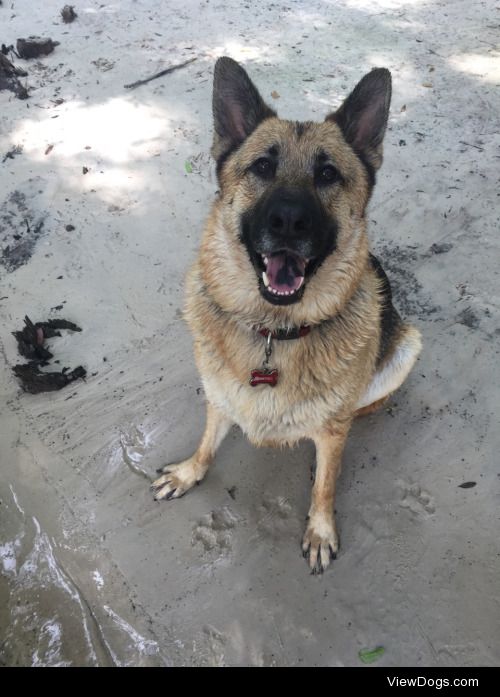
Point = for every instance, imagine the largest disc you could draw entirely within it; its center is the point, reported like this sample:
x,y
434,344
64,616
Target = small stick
x,y
160,74
471,145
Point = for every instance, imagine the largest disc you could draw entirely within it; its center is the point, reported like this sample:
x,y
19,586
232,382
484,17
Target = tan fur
x,y
372,408
320,539
324,375
177,479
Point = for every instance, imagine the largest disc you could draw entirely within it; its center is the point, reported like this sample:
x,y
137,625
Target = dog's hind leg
x,y
393,371
373,407
179,478
320,541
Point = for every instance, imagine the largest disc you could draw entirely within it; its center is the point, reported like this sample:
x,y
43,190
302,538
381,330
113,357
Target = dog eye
x,y
327,175
263,168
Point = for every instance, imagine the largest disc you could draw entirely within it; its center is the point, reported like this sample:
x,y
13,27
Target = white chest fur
x,y
299,404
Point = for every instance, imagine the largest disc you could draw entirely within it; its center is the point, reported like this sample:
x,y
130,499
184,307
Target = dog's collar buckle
x,y
267,375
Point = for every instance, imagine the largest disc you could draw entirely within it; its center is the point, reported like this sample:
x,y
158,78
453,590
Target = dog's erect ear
x,y
363,116
237,106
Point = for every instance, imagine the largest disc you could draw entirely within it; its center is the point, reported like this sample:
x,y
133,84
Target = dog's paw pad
x,y
320,544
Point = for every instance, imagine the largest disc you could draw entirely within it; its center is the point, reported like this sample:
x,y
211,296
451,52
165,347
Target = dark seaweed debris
x,y
34,380
30,344
10,154
9,77
34,46
68,13
440,248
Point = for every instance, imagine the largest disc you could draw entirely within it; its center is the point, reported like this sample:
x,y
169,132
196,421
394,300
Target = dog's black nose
x,y
289,217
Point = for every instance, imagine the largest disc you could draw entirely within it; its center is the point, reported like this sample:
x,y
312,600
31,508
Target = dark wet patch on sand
x,y
21,226
400,264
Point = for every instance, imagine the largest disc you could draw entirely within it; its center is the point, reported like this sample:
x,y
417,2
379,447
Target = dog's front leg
x,y
179,478
320,542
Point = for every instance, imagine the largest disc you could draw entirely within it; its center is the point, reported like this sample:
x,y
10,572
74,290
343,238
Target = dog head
x,y
295,194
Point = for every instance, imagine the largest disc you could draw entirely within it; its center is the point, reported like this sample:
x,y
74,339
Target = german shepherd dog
x,y
294,329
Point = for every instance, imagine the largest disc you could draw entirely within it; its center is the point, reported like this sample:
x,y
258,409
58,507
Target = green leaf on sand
x,y
188,167
371,655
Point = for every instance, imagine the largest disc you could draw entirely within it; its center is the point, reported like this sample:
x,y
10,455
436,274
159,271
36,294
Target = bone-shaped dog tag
x,y
264,377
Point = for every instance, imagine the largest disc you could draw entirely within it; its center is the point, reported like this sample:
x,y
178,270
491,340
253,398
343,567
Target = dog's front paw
x,y
320,543
177,480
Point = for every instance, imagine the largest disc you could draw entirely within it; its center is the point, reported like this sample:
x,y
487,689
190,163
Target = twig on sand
x,y
471,145
160,74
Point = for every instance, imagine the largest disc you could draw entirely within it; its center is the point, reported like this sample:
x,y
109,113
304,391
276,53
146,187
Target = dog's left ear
x,y
237,106
363,116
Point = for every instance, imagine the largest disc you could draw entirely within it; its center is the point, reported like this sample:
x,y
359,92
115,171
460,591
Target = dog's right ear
x,y
238,107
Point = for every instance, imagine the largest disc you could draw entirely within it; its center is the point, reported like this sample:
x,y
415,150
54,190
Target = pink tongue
x,y
285,271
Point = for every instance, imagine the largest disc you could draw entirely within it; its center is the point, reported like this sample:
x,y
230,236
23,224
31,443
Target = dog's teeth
x,y
273,290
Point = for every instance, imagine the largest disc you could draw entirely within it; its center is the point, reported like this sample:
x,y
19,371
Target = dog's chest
x,y
305,397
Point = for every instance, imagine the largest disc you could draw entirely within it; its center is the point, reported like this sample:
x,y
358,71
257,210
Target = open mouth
x,y
282,276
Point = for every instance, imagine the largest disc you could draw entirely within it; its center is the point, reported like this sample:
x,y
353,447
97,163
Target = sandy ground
x,y
94,571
